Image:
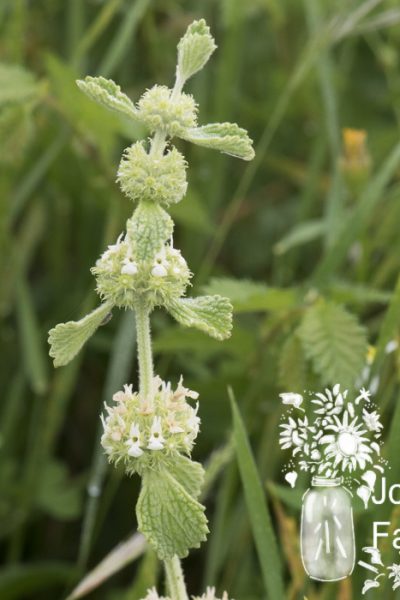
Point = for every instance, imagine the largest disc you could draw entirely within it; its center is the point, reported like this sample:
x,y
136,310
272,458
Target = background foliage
x,y
307,250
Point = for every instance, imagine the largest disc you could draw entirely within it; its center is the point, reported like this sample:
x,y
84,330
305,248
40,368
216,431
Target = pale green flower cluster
x,y
159,179
172,113
142,432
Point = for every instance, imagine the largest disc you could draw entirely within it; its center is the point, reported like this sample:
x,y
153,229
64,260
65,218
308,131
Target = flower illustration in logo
x,y
372,420
347,445
337,443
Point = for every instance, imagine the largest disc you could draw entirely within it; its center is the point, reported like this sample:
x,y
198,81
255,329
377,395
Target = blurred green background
x,y
311,223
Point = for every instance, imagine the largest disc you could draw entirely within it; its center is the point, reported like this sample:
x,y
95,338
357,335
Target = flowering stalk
x,y
152,432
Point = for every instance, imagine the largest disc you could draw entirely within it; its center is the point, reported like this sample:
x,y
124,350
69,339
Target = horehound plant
x,y
152,431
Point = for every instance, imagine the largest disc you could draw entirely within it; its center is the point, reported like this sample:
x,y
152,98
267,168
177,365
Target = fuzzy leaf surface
x,y
67,339
188,473
225,137
335,342
211,314
194,49
108,94
149,228
168,516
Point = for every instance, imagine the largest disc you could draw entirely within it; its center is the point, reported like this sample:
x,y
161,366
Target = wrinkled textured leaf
x,y
66,339
149,228
168,516
225,137
211,314
335,342
188,473
108,94
194,49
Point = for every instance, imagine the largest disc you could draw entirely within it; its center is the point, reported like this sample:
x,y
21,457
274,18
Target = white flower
x,y
330,403
161,264
395,574
156,441
295,434
372,421
159,271
375,555
346,444
193,422
129,267
364,395
291,398
369,584
182,391
134,441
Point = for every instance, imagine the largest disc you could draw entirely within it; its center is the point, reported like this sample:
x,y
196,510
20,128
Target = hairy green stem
x,y
145,357
175,580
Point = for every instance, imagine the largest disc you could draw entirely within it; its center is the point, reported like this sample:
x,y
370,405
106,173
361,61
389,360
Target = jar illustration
x,y
327,531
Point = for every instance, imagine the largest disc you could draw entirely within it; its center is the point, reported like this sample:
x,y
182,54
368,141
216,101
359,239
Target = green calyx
x,y
159,179
160,109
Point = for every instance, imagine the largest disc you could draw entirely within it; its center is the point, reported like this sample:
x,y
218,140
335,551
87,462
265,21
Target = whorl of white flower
x,y
141,433
143,176
122,277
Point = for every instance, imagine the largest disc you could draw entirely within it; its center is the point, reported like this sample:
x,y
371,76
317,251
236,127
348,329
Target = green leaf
x,y
56,495
292,365
260,519
335,342
225,137
194,49
149,228
188,473
66,339
211,314
32,341
16,85
108,94
301,234
168,516
250,296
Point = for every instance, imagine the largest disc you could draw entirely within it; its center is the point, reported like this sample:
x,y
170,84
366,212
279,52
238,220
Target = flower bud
x,y
194,49
146,177
158,111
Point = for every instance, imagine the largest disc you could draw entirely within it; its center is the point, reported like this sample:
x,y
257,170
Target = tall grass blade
x,y
260,519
